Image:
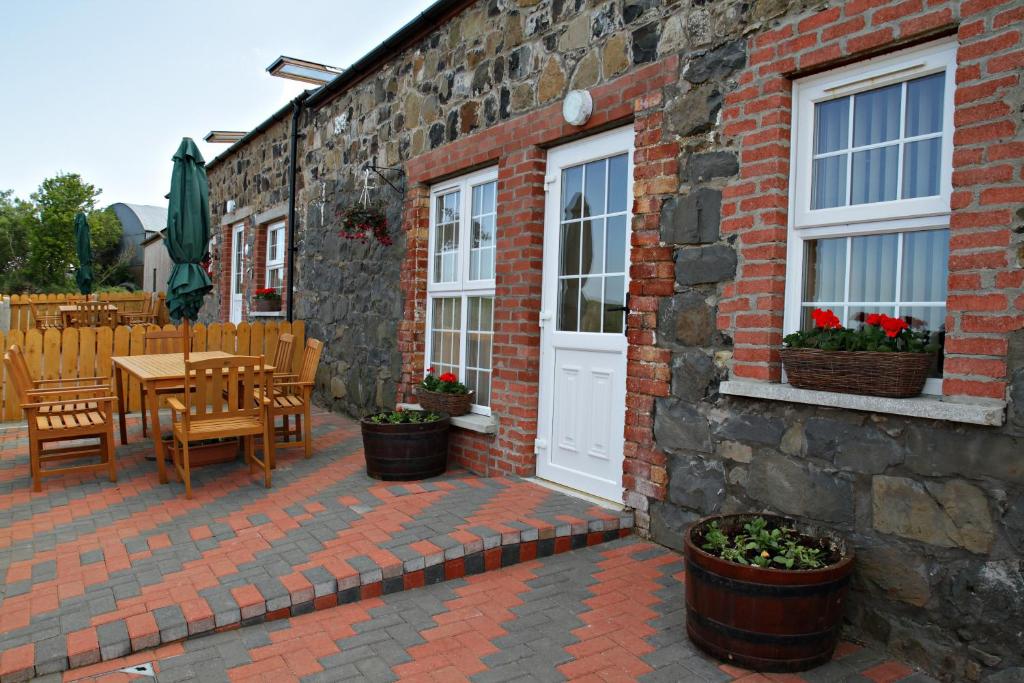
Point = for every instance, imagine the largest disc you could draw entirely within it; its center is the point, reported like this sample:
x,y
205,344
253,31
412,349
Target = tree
x,y
110,263
51,242
16,218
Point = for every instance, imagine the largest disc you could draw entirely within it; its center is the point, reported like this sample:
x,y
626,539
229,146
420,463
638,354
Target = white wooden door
x,y
583,319
237,271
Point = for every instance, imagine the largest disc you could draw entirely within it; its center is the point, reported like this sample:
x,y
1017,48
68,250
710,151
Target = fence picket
x,y
242,340
87,352
51,354
69,352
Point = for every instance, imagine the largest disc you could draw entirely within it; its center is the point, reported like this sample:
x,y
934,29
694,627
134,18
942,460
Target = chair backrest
x,y
44,315
165,341
310,360
92,314
225,387
17,370
283,355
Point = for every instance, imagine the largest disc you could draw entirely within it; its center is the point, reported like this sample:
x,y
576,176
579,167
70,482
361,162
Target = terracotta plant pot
x,y
440,402
765,619
266,305
404,452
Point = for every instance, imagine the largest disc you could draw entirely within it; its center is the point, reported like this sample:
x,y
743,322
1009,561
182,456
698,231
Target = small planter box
x,y
440,402
760,618
869,373
404,452
266,305
201,453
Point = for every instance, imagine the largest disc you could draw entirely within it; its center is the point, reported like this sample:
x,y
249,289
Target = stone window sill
x,y
266,314
483,424
979,412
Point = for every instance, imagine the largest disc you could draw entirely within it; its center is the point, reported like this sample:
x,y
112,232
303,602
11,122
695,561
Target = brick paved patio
x,y
93,570
611,612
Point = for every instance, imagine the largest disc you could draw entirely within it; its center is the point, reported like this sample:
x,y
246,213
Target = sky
x,y
107,88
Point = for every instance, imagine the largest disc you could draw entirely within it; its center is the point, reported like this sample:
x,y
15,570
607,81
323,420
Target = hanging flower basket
x,y
884,357
363,223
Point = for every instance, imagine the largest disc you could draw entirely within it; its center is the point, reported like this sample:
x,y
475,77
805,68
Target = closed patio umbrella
x,y
188,236
83,276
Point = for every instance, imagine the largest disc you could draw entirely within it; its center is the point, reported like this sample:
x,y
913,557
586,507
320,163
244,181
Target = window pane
x,y
933,319
873,268
876,115
445,338
922,161
593,199
446,238
593,247
572,192
618,183
874,175
828,182
825,270
568,304
925,269
490,192
924,104
831,129
614,297
591,306
615,251
569,262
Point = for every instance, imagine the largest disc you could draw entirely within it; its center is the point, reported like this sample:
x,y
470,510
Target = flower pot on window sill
x,y
440,402
266,305
868,373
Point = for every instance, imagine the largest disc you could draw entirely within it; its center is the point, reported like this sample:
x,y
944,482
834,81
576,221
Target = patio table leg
x,y
119,384
158,441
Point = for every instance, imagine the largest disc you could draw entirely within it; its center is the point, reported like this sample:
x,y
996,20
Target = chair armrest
x,y
98,391
70,402
292,384
97,380
283,375
176,405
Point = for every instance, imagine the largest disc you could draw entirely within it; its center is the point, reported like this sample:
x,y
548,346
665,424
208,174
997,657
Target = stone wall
x,y
935,509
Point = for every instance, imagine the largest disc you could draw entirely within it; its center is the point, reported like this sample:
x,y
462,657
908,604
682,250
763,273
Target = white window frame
x,y
279,261
462,287
900,215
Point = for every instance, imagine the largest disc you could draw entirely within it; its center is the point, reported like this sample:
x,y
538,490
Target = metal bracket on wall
x,y
380,170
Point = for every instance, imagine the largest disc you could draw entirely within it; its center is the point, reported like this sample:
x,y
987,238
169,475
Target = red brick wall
x,y
518,149
985,300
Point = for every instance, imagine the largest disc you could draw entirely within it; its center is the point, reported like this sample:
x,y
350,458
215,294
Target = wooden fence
x,y
86,351
21,311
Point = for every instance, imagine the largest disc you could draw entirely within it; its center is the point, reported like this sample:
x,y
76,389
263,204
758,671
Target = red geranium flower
x,y
430,370
893,326
874,319
448,377
826,319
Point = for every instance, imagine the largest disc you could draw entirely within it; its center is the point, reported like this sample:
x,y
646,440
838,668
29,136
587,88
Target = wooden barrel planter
x,y
765,619
405,452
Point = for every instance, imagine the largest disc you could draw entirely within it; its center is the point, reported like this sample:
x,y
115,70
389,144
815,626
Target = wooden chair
x,y
93,314
242,414
295,398
62,415
146,315
18,358
46,317
161,341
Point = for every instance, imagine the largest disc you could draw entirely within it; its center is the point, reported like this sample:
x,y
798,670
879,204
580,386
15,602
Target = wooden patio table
x,y
67,309
157,371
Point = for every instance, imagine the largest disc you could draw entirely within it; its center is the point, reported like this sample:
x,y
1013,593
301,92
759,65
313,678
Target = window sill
x,y
483,424
266,314
980,412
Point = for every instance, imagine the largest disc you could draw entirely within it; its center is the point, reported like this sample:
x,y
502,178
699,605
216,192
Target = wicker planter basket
x,y
266,305
438,402
870,373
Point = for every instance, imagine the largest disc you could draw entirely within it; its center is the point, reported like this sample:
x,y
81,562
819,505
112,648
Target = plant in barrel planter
x,y
401,445
266,300
444,393
765,592
884,357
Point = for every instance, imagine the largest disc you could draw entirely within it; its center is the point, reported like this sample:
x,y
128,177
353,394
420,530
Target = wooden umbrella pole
x,y
188,337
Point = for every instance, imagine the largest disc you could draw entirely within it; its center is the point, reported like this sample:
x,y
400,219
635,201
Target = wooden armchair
x,y
147,315
239,391
65,414
283,358
162,341
294,397
69,383
46,316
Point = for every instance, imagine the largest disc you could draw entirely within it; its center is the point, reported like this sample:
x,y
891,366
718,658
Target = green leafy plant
x,y
446,383
402,416
761,545
879,333
267,294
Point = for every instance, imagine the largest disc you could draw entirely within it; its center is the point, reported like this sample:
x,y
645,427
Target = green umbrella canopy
x,y
83,276
188,233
